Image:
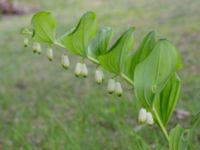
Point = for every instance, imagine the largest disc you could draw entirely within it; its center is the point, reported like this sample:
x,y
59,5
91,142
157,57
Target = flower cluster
x,y
36,48
145,117
81,69
114,87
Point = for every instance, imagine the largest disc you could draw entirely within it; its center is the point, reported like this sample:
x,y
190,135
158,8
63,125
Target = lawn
x,y
44,107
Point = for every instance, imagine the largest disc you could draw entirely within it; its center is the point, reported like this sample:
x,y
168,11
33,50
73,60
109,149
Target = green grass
x,y
42,106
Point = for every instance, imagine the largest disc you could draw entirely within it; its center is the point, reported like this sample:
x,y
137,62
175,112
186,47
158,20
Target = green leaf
x,y
77,40
44,27
141,53
137,142
114,59
177,139
183,138
166,100
195,121
194,127
152,74
99,45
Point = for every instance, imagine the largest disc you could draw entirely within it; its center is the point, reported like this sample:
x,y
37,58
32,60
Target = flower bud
x,y
142,115
111,86
149,119
78,69
84,71
65,61
50,54
118,89
98,76
36,48
25,42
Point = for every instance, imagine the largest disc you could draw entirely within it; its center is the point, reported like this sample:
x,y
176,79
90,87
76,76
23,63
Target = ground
x,y
43,106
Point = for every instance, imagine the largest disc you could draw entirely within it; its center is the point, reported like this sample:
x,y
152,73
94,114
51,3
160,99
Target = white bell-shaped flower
x,y
84,71
111,86
37,48
39,51
142,117
26,42
99,76
65,61
102,74
50,54
149,120
118,89
78,69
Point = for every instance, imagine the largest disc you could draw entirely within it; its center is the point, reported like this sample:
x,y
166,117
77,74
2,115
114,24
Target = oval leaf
x,y
166,100
44,27
114,59
183,138
77,41
99,45
152,74
177,140
142,52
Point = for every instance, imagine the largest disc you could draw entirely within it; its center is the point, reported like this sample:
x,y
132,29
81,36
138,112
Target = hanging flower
x,y
84,71
111,86
78,69
99,76
37,48
65,61
118,89
142,117
25,42
50,54
149,118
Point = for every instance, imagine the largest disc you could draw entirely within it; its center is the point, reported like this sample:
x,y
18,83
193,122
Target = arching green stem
x,y
127,79
163,129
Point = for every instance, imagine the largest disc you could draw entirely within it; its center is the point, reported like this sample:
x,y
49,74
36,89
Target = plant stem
x,y
122,75
127,79
164,131
93,60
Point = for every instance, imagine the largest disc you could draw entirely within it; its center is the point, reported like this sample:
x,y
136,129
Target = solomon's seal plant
x,y
151,69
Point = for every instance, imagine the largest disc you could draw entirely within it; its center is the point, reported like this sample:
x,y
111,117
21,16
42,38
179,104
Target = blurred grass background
x,y
44,107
